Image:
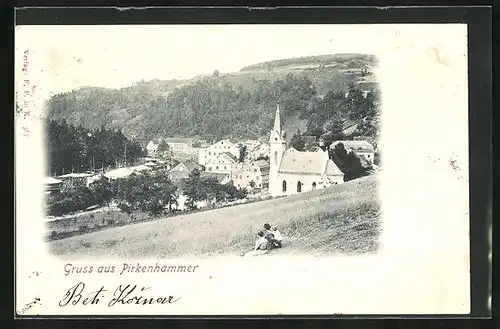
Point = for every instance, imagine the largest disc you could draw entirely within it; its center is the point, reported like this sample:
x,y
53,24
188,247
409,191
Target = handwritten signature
x,y
122,295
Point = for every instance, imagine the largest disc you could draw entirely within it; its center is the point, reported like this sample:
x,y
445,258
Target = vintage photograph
x,y
277,156
164,169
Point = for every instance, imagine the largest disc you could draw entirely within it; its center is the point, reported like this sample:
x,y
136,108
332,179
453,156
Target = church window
x,y
224,167
314,185
256,177
299,187
275,158
217,167
284,186
209,168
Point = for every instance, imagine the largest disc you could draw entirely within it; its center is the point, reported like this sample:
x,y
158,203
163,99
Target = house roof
x,y
220,177
296,162
52,181
229,156
119,173
180,140
360,146
75,175
189,164
261,163
140,168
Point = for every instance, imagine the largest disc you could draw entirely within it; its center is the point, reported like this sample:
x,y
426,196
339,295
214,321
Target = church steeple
x,y
277,134
277,146
277,121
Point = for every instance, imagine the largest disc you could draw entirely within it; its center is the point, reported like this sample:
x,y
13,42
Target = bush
x,y
72,199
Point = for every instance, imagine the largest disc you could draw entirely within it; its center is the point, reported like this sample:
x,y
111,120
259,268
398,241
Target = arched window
x,y
299,186
275,158
284,186
314,185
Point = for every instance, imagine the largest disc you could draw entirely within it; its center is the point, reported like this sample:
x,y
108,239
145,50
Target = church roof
x,y
332,169
312,163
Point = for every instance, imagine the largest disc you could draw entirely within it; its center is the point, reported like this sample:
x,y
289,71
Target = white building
x,y
210,154
223,163
293,172
360,148
255,171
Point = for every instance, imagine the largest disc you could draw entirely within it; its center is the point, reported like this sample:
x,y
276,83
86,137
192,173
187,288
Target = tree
x,y
298,142
149,192
243,153
103,191
163,148
348,163
332,132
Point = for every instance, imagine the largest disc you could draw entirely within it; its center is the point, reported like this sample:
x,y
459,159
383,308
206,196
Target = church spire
x,y
277,122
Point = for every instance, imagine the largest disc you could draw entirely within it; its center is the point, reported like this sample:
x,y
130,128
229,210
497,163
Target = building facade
x,y
224,163
211,153
255,171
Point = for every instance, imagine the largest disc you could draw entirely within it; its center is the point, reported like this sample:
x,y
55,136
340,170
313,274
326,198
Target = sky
x,y
117,56
64,58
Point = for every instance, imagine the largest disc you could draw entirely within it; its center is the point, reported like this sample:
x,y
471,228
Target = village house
x,y
256,150
184,169
293,171
52,185
255,171
360,148
369,139
76,179
182,148
223,164
211,153
152,148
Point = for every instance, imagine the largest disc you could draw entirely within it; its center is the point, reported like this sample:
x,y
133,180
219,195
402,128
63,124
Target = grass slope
x,y
341,219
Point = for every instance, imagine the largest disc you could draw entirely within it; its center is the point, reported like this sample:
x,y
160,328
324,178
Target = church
x,y
292,171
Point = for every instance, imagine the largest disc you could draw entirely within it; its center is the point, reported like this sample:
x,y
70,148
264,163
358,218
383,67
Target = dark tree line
x,y
76,149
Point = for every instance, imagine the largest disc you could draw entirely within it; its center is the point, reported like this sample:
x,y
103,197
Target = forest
x,y
211,108
77,149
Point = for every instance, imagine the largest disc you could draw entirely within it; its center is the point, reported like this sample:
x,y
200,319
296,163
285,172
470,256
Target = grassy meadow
x,y
343,219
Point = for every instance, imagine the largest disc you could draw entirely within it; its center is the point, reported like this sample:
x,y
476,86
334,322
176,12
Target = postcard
x,y
188,170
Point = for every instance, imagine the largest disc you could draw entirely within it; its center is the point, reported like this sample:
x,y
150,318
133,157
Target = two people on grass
x,y
269,238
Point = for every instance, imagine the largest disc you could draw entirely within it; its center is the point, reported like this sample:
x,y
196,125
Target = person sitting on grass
x,y
277,236
262,242
273,236
261,246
